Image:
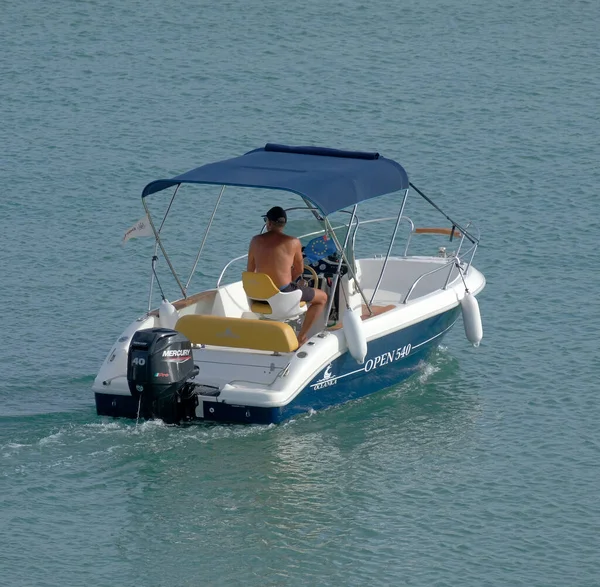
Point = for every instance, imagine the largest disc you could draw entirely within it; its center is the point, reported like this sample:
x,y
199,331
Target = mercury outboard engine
x,y
159,364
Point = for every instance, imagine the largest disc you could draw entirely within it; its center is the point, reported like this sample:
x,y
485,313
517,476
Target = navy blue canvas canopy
x,y
329,178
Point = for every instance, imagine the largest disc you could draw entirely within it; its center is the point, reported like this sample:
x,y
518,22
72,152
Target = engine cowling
x,y
159,364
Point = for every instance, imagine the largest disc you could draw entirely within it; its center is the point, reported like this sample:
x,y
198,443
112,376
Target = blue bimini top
x,y
329,178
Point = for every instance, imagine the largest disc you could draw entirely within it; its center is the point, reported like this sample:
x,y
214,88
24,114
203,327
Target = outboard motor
x,y
159,364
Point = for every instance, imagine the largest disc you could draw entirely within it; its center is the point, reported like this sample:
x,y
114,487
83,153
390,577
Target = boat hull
x,y
390,360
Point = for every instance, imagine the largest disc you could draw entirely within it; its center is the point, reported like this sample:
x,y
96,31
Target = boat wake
x,y
51,435
59,437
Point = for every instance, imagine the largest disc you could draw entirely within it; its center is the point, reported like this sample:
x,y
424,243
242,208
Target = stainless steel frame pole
x,y
204,238
162,248
339,267
391,245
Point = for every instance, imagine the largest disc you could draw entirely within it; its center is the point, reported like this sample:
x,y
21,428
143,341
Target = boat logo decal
x,y
178,355
327,380
228,333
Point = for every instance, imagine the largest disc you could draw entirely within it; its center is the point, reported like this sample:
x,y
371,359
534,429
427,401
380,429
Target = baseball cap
x,y
276,214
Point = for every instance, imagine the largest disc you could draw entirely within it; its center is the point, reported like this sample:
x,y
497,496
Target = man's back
x,y
275,253
280,257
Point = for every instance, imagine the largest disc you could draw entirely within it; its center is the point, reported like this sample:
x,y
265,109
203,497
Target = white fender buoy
x,y
355,336
472,319
167,315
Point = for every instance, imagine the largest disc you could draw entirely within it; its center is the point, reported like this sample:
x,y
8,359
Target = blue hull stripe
x,y
390,360
416,346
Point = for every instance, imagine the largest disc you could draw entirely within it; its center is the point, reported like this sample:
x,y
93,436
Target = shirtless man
x,y
280,257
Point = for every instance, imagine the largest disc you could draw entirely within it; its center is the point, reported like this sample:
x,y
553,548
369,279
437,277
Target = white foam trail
x,y
427,371
51,439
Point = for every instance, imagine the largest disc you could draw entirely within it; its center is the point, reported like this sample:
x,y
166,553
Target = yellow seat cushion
x,y
264,308
260,307
243,333
258,286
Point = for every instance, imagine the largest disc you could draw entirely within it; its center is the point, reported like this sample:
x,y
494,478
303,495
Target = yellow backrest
x,y
241,333
258,286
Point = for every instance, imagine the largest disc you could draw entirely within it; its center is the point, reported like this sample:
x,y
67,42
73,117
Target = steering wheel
x,y
313,275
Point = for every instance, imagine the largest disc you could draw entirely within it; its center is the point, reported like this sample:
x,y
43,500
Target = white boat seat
x,y
266,300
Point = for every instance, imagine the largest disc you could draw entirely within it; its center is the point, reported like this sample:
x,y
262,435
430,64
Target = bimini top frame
x,y
330,179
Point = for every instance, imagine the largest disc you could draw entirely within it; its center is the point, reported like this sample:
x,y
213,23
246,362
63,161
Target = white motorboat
x,y
230,353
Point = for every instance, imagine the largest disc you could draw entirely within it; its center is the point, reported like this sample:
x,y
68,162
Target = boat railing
x,y
453,261
227,267
387,219
443,231
454,257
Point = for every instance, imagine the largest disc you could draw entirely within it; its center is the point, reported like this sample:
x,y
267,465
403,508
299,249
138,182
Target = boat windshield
x,y
308,228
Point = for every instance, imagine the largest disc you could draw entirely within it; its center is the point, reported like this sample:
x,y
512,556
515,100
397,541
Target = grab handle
x,y
451,232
